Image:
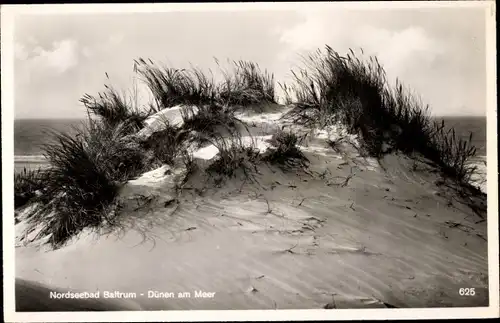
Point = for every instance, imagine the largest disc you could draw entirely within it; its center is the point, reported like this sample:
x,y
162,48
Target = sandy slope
x,y
376,238
286,241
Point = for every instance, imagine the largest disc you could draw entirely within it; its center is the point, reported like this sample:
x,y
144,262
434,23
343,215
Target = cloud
x,y
308,34
396,49
415,54
433,52
60,58
63,57
106,47
42,74
402,52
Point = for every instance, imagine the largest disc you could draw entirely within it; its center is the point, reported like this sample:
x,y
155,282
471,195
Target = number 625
x,y
466,292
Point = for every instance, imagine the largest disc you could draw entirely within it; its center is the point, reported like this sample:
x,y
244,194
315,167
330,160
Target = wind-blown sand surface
x,y
288,240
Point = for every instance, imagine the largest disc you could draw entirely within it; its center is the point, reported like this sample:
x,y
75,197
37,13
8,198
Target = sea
x,y
31,134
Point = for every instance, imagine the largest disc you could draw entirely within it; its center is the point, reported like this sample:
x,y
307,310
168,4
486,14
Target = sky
x,y
439,53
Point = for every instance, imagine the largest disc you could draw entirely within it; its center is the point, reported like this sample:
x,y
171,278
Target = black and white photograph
x,y
215,158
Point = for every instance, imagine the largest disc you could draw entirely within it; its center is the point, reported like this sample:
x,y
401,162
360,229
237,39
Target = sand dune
x,y
351,232
290,241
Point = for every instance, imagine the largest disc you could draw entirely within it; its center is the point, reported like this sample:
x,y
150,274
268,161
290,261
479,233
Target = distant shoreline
x,y
29,162
50,119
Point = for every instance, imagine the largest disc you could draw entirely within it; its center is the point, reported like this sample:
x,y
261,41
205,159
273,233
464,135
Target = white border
x,y
7,89
492,156
7,74
256,6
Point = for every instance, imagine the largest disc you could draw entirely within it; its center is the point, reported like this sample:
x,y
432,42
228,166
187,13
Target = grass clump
x,y
83,181
452,153
247,85
27,185
171,86
286,152
233,156
114,109
163,144
168,144
211,119
332,88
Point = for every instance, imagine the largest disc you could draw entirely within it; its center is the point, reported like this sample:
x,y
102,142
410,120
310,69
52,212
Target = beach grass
x,y
83,180
285,152
27,184
171,86
166,144
247,85
88,166
330,88
244,85
210,119
233,155
114,108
